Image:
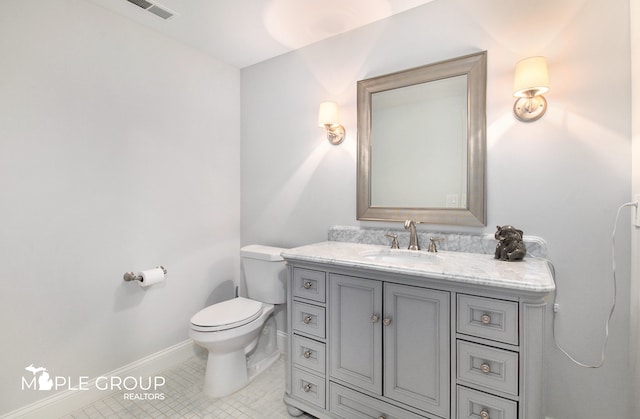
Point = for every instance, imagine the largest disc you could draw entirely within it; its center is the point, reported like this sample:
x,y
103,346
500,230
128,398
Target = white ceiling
x,y
245,32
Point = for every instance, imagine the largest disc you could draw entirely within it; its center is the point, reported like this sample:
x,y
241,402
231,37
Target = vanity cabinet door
x,y
355,315
417,347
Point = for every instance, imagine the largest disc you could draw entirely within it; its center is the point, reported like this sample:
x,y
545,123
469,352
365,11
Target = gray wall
x,y
561,178
119,150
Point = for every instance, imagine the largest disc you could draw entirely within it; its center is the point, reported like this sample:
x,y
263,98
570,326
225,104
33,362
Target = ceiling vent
x,y
154,8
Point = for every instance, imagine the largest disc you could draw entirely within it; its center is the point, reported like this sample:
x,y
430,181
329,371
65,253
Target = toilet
x,y
240,334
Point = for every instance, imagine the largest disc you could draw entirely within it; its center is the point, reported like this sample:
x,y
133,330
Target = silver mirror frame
x,y
474,66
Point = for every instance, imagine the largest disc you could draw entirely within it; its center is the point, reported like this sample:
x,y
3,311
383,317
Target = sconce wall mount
x,y
530,109
531,81
328,119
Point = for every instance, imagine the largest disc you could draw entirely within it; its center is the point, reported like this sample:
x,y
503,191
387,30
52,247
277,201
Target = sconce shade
x,y
328,119
531,78
328,114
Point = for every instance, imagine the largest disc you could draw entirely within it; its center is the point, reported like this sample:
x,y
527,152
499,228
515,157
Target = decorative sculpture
x,y
510,245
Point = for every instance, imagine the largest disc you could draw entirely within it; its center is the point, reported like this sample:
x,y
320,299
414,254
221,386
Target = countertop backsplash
x,y
453,241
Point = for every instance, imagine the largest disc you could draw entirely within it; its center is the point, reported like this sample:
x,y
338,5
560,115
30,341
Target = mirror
x,y
422,144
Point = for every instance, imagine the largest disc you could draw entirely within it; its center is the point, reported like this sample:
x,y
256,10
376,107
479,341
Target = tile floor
x,y
183,398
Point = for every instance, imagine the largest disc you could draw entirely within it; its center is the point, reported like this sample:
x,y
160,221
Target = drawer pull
x,y
382,417
307,319
307,354
485,319
307,284
386,321
484,414
375,318
307,388
485,368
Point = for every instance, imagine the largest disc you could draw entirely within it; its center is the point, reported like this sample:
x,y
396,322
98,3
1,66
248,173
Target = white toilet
x,y
240,334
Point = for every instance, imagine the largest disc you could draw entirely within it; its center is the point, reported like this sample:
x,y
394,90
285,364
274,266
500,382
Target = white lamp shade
x,y
328,114
532,77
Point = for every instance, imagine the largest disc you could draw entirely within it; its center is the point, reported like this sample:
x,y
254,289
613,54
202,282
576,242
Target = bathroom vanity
x,y
386,333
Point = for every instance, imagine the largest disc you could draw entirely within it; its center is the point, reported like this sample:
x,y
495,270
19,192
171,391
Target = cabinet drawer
x,y
308,387
307,318
475,405
486,366
350,404
308,353
309,284
488,318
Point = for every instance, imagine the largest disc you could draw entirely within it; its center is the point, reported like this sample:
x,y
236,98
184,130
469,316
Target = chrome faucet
x,y
413,236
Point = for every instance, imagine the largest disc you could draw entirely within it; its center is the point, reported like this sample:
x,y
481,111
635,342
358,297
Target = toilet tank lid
x,y
257,251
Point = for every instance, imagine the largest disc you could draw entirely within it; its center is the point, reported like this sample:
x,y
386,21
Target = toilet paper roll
x,y
151,276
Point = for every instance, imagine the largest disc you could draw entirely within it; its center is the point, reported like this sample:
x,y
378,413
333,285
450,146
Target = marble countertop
x,y
528,275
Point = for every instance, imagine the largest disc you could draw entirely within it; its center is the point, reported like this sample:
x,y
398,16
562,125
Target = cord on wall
x,y
556,306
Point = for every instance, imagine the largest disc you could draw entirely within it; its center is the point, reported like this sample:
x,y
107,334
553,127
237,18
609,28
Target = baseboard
x,y
67,401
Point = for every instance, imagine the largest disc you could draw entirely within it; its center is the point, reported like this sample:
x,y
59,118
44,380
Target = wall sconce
x,y
328,119
531,81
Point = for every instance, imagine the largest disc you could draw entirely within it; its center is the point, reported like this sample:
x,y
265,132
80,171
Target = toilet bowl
x,y
240,334
228,341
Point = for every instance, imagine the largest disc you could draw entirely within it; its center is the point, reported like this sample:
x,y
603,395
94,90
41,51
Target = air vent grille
x,y
141,3
154,8
159,11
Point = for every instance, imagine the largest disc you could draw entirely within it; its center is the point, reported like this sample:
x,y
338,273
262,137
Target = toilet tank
x,y
265,273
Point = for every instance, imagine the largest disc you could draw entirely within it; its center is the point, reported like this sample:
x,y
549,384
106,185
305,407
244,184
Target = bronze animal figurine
x,y
510,245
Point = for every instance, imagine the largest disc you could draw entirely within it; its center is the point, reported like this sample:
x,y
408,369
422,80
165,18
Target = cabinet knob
x,y
386,321
485,319
307,388
382,417
307,354
308,284
375,318
485,368
484,414
307,319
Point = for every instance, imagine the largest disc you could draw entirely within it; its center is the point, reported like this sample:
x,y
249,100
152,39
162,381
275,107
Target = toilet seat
x,y
226,315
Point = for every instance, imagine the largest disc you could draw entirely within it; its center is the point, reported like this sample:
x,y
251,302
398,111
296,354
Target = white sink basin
x,y
399,256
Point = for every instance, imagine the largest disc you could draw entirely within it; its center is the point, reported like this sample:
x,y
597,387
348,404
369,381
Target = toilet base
x,y
229,372
225,373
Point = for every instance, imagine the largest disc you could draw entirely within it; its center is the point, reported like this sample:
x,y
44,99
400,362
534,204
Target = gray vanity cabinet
x,y
368,343
391,340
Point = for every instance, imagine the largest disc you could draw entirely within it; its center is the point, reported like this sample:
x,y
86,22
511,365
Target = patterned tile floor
x,y
183,398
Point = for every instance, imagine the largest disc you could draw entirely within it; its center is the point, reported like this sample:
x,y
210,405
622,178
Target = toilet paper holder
x,y
131,276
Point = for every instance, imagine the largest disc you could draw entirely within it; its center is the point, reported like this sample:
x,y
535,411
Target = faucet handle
x,y
432,244
394,240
